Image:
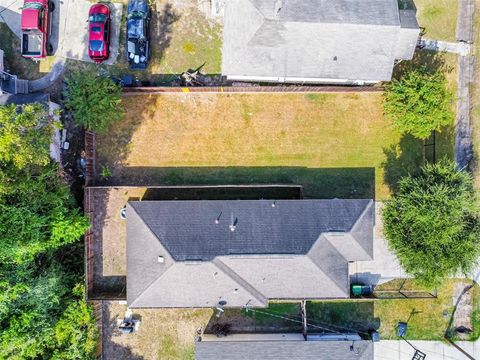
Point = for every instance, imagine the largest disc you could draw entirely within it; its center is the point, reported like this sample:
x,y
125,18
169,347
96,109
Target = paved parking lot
x,y
69,27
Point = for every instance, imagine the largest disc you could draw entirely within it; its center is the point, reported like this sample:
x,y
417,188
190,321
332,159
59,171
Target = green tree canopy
x,y
419,102
25,133
37,213
39,260
432,223
94,100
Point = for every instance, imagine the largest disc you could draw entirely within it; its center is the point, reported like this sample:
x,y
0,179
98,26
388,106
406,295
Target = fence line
x,y
250,89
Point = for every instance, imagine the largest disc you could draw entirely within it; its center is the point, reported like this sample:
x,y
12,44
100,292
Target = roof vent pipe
x,y
233,224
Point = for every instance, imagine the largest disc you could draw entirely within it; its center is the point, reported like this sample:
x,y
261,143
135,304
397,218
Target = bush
x,y
94,100
419,102
432,223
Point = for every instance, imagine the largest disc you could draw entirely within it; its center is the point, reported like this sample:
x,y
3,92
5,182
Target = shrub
x,y
94,100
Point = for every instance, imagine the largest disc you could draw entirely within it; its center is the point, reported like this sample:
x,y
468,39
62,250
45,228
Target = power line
x,y
324,327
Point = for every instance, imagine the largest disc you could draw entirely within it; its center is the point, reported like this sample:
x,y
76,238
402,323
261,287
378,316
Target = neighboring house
x,y
351,42
10,84
281,347
244,252
44,99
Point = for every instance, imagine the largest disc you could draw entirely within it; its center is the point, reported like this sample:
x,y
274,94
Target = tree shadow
x,y
163,21
402,159
428,61
114,349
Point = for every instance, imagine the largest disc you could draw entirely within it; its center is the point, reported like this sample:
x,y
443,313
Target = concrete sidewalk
x,y
459,48
435,350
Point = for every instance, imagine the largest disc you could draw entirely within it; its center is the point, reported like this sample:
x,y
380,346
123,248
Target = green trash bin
x,y
357,290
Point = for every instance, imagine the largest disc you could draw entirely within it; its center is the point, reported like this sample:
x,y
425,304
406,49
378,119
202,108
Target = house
x,y
243,253
351,42
281,347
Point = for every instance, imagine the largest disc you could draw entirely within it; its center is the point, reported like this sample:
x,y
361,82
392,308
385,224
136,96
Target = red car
x,y
36,28
98,32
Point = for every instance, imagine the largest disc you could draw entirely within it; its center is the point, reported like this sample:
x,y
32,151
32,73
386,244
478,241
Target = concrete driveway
x,y
69,27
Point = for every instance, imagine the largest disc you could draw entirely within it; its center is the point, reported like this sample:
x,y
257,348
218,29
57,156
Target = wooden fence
x,y
250,89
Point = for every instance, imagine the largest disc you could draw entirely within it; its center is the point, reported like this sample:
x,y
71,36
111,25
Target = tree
x,y
76,333
94,100
419,102
25,134
37,213
432,223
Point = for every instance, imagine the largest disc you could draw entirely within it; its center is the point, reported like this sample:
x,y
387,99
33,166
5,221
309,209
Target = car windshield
x,y
33,6
96,45
94,18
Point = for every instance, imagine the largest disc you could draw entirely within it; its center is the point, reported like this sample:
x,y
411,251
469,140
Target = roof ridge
x,y
323,272
151,284
330,240
150,229
359,218
156,237
238,279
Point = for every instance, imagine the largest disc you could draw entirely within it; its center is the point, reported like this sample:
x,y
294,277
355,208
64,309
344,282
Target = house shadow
x,y
255,321
429,61
342,317
317,183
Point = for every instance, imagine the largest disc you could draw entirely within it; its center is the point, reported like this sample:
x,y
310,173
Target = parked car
x,y
36,28
138,45
99,32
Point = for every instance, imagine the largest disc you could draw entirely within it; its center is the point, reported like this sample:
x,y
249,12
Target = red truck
x,y
36,28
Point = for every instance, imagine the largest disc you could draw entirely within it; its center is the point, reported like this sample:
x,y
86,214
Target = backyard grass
x,y
163,333
186,38
428,319
438,17
182,38
335,145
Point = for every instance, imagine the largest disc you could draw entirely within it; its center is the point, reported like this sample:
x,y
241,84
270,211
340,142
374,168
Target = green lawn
x,y
438,17
428,319
335,145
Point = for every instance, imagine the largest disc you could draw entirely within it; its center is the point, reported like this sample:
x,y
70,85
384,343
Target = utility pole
x,y
304,319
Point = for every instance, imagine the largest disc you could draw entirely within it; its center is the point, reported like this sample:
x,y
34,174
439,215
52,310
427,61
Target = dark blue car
x,y
138,45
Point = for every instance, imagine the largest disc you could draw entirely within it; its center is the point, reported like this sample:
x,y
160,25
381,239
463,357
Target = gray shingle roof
x,y
283,350
204,260
342,40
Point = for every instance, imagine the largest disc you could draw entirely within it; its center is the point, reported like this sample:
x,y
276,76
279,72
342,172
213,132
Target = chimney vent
x,y
161,259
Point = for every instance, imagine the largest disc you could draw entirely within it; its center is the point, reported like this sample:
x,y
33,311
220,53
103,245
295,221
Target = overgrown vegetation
x,y
432,223
94,100
419,102
42,312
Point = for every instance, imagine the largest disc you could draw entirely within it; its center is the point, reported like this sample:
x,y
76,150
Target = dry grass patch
x,y
336,145
438,17
163,333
